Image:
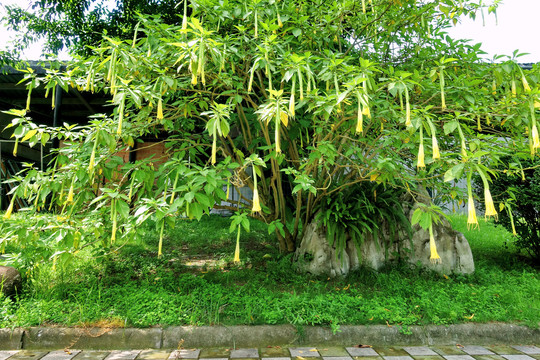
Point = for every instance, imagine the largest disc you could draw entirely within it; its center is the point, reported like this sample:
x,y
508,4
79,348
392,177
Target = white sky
x,y
516,29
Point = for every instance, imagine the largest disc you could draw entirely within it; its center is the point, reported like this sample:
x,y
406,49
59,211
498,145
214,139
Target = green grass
x,y
136,288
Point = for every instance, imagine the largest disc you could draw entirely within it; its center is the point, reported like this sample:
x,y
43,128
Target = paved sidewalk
x,y
457,352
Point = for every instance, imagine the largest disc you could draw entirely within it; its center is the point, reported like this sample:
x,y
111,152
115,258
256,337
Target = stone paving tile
x,y
28,355
154,355
488,357
123,355
7,354
390,351
333,351
367,358
427,357
476,350
304,352
274,352
244,354
419,351
215,353
517,357
536,357
91,355
398,357
217,358
61,355
447,350
185,354
458,357
337,358
354,351
503,350
277,358
529,350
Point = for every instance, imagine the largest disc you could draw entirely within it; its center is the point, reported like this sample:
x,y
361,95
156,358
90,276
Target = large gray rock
x,y
316,256
10,280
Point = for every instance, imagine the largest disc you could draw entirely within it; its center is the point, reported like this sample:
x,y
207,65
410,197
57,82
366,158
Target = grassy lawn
x,y
194,283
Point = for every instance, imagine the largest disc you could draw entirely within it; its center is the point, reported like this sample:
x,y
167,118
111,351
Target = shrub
x,y
519,191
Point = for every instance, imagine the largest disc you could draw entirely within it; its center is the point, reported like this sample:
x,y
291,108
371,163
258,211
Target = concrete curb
x,y
11,339
262,336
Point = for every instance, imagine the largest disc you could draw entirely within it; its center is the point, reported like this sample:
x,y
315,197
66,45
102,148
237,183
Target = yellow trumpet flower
x,y
237,249
367,112
9,210
256,202
435,146
434,258
525,84
535,138
490,207
472,221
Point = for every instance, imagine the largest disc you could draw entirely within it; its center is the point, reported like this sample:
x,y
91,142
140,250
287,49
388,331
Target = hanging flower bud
x,y
160,109
420,163
69,198
92,161
291,104
360,120
237,249
280,24
525,84
435,146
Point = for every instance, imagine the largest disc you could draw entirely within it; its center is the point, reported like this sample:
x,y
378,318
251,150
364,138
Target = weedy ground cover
x,y
195,283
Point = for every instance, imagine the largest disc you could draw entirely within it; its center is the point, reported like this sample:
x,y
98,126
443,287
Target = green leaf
x,y
454,172
450,127
122,208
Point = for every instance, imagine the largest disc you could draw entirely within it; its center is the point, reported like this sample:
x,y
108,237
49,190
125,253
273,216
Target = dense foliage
x,y
77,24
295,100
518,194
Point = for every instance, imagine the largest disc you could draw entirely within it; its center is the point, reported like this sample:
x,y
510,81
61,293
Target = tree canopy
x,y
77,24
297,100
